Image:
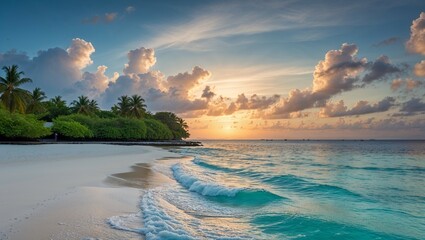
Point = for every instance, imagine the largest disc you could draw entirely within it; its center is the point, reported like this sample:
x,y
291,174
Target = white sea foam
x,y
126,222
205,188
163,220
159,224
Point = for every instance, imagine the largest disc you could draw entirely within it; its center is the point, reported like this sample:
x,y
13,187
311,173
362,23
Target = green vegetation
x,y
117,128
178,126
83,105
35,103
71,129
22,116
20,126
156,130
12,97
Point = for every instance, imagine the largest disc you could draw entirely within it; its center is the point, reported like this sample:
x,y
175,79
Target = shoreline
x,y
69,192
123,143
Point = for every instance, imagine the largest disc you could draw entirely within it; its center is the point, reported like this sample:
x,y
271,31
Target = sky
x,y
233,69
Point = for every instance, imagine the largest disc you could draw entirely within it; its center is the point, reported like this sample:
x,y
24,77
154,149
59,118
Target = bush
x,y
156,130
71,129
177,125
131,129
110,128
82,119
15,125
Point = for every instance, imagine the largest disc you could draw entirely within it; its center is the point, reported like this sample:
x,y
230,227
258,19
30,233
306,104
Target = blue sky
x,y
257,48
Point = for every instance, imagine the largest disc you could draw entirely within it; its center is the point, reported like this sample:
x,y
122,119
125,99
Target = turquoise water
x,y
290,190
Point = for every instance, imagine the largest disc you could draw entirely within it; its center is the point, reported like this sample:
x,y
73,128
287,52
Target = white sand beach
x,y
69,191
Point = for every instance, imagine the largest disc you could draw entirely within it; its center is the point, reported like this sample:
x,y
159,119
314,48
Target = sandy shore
x,y
68,191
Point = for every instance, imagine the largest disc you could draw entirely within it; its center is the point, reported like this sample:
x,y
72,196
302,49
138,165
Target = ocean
x,y
287,190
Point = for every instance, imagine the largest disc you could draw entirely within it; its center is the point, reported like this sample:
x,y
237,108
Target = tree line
x,y
23,114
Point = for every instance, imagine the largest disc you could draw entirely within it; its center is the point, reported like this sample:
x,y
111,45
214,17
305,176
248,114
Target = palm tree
x,y
58,102
35,104
83,105
183,123
122,108
14,98
137,106
56,107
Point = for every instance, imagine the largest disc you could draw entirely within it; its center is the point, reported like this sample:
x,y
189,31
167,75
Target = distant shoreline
x,y
129,143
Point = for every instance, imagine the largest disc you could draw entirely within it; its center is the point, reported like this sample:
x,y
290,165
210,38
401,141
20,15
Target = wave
x,y
307,187
308,227
211,166
285,181
386,169
163,220
158,223
243,196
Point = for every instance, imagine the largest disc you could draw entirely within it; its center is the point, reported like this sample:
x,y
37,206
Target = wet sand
x,y
69,191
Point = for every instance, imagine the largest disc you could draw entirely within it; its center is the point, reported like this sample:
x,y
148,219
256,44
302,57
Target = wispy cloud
x,y
130,9
106,18
386,42
220,21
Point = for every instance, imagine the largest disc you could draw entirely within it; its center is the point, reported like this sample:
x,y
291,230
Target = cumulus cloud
x,y
360,108
140,60
93,84
379,69
396,84
255,101
412,84
182,83
208,93
161,93
413,106
335,74
225,106
407,84
80,52
416,43
54,69
339,72
420,69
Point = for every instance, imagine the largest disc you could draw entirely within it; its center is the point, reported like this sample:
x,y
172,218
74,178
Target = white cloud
x,y
420,68
416,43
130,9
339,72
55,70
80,52
93,84
140,61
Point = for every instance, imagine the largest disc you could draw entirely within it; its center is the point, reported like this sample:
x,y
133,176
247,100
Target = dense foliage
x,y
156,130
110,128
178,126
20,126
71,129
21,112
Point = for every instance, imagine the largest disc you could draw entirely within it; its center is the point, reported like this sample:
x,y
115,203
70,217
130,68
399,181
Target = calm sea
x,y
289,190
